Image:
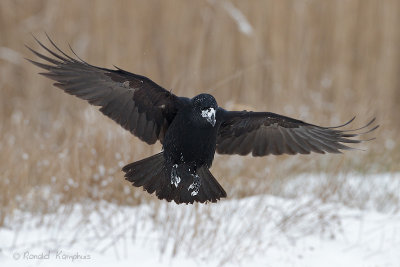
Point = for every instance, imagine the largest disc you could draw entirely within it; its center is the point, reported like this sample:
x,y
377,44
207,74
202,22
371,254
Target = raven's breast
x,y
187,143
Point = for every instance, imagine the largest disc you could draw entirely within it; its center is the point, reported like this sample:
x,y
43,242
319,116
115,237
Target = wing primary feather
x,y
363,127
149,131
126,114
133,119
141,125
328,141
269,144
51,60
123,108
246,145
81,60
222,146
52,52
106,88
330,146
290,146
274,140
306,149
340,126
318,142
333,138
56,47
111,108
235,144
259,148
371,130
313,146
41,65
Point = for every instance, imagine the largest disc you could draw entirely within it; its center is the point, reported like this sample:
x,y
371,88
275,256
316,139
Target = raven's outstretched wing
x,y
264,133
135,102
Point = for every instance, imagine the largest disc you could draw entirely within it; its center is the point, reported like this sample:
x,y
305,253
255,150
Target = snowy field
x,y
294,229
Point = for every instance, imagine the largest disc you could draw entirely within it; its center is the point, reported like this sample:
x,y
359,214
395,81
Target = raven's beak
x,y
209,114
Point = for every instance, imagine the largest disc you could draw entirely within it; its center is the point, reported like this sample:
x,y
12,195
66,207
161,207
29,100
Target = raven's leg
x,y
195,186
175,178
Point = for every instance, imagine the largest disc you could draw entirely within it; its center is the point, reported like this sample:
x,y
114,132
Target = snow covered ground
x,y
288,230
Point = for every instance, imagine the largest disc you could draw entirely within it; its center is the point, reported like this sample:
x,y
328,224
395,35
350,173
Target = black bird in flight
x,y
190,130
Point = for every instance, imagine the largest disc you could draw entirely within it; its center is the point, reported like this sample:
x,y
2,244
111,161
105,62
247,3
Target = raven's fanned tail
x,y
154,176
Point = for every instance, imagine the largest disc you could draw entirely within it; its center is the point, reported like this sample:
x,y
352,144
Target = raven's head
x,y
205,108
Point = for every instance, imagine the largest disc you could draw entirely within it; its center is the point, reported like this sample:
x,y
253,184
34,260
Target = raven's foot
x,y
195,186
175,178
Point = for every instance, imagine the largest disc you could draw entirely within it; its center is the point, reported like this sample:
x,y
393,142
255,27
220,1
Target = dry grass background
x,y
320,61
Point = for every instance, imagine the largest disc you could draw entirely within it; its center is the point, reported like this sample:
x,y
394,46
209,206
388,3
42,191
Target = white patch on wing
x,y
175,178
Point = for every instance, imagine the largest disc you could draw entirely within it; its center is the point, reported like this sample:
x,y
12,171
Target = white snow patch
x,y
256,231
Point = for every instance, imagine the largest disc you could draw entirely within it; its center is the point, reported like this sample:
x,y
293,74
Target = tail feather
x,y
156,181
140,172
152,177
207,192
213,188
155,176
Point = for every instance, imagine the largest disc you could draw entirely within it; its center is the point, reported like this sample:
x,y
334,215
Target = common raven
x,y
190,130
